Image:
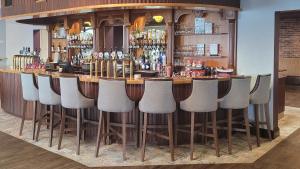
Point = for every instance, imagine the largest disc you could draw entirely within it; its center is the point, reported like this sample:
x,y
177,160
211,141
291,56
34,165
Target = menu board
x,y
200,49
214,49
199,25
208,28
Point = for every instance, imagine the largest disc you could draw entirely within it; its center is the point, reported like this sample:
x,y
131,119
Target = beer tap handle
x,y
101,67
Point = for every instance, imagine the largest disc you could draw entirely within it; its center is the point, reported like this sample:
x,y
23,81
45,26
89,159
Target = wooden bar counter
x,y
11,99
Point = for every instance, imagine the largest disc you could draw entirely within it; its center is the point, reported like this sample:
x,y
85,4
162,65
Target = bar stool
x,y
47,97
30,94
237,98
158,99
204,98
72,98
260,96
112,98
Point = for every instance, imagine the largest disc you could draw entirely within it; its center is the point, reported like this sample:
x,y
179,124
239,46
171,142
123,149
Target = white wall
x,y
2,42
17,36
256,27
44,44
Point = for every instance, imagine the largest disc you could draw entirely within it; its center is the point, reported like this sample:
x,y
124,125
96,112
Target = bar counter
x,y
10,89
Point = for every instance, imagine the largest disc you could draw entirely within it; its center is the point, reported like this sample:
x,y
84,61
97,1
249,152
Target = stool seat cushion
x,y
46,94
29,88
112,96
158,97
71,96
204,97
262,90
239,94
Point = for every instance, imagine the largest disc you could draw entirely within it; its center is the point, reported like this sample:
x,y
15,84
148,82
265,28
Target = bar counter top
x,y
94,79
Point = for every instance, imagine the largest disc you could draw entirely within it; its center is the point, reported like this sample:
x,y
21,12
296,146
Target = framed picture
x,y
208,28
214,49
200,49
199,25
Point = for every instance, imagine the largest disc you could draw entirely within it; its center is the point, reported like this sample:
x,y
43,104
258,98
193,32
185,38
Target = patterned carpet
x,y
111,155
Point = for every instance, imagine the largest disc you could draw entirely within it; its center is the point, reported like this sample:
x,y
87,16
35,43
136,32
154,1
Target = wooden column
x,y
126,30
232,44
170,42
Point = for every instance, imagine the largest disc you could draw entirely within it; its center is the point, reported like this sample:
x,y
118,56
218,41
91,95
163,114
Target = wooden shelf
x,y
195,34
59,38
202,57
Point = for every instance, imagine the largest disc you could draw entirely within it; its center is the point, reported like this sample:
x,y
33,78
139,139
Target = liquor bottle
x,y
52,48
58,48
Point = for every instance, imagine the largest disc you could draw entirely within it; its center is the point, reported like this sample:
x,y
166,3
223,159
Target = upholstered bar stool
x,y
47,97
237,98
260,96
158,99
204,98
30,94
112,98
72,98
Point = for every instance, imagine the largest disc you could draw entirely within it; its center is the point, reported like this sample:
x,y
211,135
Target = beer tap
x,y
91,68
108,68
14,64
96,68
123,68
115,68
131,68
101,67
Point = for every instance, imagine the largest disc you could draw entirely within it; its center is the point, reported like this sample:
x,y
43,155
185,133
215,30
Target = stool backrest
x,y
71,97
158,97
261,92
47,95
239,94
112,96
204,97
29,87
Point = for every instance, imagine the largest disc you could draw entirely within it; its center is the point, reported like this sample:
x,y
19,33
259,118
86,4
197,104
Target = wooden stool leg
x,y
215,133
136,113
62,127
171,139
267,115
202,127
78,132
107,128
34,119
124,135
247,128
99,133
192,135
205,126
144,137
229,130
51,126
83,125
46,110
256,114
39,126
23,117
176,127
141,129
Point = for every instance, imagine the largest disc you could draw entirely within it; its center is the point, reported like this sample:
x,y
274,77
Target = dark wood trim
x,y
276,69
31,8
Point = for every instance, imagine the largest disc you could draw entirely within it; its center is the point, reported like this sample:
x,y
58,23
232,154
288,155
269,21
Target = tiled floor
x,y
111,155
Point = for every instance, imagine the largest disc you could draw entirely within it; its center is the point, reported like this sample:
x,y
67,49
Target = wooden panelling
x,y
30,7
